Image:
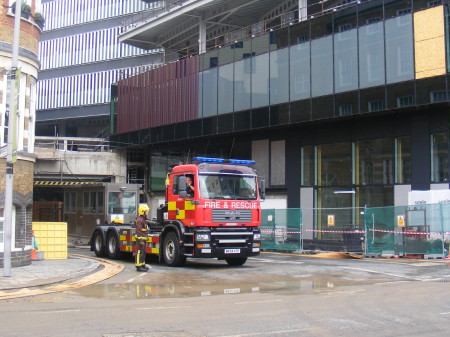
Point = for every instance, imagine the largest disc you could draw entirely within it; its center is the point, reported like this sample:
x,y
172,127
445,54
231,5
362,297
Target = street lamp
x,y
9,154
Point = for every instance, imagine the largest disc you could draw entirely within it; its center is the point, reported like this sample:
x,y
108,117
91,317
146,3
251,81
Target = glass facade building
x,y
353,100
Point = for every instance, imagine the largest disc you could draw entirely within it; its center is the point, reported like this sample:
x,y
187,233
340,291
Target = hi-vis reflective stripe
x,y
128,242
65,183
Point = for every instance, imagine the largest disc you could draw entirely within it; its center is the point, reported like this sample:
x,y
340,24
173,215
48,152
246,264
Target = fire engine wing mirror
x,y
262,188
182,187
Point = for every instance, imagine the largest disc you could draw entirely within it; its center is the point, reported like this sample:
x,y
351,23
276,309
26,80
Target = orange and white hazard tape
x,y
339,232
408,233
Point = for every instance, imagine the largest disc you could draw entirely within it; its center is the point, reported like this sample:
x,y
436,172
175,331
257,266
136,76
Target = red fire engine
x,y
218,218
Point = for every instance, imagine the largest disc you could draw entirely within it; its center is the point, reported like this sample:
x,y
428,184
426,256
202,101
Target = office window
x,y
345,109
376,105
300,71
406,100
334,164
375,162
438,96
345,61
403,163
93,202
70,201
322,66
308,161
279,76
439,158
242,84
399,51
434,3
260,82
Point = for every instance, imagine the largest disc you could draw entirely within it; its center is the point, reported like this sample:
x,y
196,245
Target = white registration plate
x,y
232,251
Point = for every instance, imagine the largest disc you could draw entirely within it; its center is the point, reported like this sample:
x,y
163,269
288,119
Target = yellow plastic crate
x,y
51,238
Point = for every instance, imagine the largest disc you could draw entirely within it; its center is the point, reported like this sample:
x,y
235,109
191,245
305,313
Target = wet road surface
x,y
271,295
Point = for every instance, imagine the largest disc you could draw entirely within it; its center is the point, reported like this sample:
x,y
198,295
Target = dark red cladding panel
x,y
164,95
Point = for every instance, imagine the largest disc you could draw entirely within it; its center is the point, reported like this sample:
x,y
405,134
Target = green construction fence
x,y
408,230
281,229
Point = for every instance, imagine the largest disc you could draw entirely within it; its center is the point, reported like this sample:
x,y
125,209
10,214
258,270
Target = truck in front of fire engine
x,y
220,218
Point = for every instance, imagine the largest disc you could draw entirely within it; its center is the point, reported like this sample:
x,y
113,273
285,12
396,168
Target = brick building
x,y
23,168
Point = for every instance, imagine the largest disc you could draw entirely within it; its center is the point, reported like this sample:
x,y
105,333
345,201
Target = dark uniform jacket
x,y
141,227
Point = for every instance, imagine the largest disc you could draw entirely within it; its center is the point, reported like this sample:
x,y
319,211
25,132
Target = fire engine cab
x,y
212,210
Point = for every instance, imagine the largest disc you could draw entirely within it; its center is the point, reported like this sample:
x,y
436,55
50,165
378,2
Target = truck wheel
x,y
236,261
112,246
99,245
172,252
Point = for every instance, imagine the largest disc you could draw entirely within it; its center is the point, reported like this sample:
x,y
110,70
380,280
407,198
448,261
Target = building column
x,y
201,36
302,10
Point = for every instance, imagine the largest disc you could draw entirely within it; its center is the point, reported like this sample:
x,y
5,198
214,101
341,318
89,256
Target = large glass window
x,y
308,162
399,49
439,158
242,84
70,201
209,92
334,164
371,55
260,82
375,162
93,202
279,76
322,66
122,202
225,87
345,61
300,79
404,160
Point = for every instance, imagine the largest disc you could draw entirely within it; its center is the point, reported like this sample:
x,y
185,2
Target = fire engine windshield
x,y
227,186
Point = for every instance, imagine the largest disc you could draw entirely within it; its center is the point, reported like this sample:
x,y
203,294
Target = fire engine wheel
x,y
236,261
99,245
172,252
112,246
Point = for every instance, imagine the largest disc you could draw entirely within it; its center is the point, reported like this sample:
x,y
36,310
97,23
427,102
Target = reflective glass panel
x,y
371,55
345,61
210,92
375,162
300,79
322,66
225,88
307,166
279,76
439,157
334,164
260,83
242,84
399,49
404,160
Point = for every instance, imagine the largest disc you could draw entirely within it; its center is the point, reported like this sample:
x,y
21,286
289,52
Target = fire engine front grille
x,y
225,215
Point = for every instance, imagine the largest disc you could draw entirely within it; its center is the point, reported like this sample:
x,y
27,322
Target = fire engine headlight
x,y
202,237
256,237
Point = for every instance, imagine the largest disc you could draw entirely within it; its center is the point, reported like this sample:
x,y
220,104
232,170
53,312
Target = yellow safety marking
x,y
122,237
189,206
181,214
172,206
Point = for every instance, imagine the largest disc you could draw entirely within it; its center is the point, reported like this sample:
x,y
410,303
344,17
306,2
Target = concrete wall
x,y
75,163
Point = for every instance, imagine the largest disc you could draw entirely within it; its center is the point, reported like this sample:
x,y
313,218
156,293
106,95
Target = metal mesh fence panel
x,y
408,230
337,229
281,229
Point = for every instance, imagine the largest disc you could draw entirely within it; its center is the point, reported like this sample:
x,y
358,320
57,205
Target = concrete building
x,y
341,103
23,167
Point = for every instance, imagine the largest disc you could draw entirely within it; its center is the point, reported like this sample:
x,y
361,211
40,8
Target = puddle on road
x,y
177,286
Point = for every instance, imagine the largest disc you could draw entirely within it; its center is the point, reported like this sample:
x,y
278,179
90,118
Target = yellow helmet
x,y
142,208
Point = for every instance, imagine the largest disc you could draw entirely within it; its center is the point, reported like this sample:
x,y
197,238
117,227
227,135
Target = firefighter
x,y
141,237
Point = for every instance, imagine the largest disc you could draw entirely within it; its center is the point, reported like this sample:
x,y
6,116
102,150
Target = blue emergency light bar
x,y
221,160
